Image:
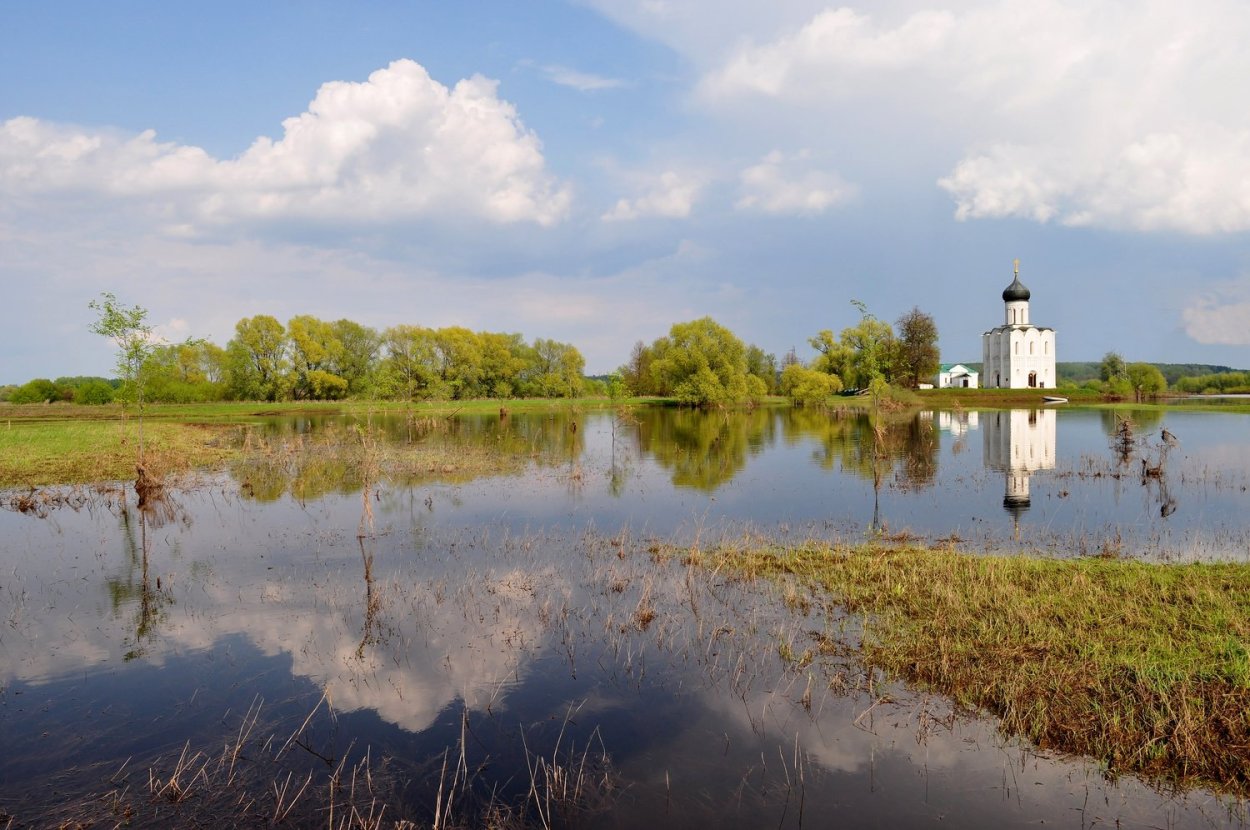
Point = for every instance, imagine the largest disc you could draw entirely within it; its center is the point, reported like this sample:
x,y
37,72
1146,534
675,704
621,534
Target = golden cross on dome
x,y
1016,262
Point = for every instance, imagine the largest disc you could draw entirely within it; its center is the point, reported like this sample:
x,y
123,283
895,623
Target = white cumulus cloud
x,y
781,184
1105,114
397,145
670,195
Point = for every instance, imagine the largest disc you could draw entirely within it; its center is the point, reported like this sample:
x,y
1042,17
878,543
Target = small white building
x,y
957,375
1018,354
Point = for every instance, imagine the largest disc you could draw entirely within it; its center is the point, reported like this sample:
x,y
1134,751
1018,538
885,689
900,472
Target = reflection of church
x,y
1018,354
1017,443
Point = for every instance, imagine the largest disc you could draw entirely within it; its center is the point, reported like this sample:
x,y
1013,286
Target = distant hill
x,y
1081,371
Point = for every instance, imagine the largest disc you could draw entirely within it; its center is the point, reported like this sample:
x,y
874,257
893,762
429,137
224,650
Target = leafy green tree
x,y
808,387
39,390
833,357
314,348
185,372
93,393
458,362
1145,379
872,350
762,365
356,359
636,374
917,351
556,371
1112,367
407,370
703,363
128,329
256,359
505,360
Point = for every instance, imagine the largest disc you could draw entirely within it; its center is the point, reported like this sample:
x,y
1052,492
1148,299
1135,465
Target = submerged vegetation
x,y
1144,667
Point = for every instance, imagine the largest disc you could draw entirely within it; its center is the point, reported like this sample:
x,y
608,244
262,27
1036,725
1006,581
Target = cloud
x,y
1104,115
580,81
669,195
825,54
778,185
1194,183
1221,317
397,146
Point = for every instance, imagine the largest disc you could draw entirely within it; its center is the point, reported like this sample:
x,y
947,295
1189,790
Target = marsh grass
x,y
1143,667
73,452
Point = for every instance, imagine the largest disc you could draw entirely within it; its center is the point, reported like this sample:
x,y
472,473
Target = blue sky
x,y
596,171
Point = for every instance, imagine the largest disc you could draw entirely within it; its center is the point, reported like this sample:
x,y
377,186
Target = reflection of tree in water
x,y
371,633
704,450
312,457
870,446
136,587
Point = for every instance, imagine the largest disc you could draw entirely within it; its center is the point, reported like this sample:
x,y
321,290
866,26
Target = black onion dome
x,y
1016,291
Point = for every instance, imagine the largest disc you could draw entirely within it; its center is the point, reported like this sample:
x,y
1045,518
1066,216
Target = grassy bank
x,y
1144,667
72,452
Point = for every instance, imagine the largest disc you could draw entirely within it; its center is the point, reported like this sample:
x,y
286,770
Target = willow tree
x,y
704,364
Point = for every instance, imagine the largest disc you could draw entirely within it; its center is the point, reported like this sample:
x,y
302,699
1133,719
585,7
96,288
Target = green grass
x,y
73,452
1144,667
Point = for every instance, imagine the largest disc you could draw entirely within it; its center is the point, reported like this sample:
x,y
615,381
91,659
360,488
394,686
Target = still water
x,y
469,634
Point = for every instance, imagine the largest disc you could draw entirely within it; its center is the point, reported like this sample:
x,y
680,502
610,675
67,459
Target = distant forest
x,y
1082,371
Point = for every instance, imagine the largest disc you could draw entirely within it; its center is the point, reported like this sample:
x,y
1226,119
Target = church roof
x,y
1016,291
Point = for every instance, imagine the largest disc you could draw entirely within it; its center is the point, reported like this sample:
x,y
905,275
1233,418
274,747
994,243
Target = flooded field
x,y
356,626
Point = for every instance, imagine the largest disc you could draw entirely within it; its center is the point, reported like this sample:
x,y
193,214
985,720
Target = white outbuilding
x,y
1018,354
957,376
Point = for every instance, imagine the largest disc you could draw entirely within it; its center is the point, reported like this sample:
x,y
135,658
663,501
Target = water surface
x,y
492,626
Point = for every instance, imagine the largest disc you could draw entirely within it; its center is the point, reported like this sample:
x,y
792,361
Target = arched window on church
x,y
1017,347
1045,347
1030,347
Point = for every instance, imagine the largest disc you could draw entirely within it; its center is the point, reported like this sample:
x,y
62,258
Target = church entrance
x,y
1032,380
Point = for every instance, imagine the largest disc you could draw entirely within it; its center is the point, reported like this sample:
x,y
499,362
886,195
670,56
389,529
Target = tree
x,y
762,365
93,393
556,371
458,362
808,387
505,361
256,359
864,353
703,363
39,390
128,328
314,349
1145,379
1112,367
636,374
872,351
407,371
357,356
833,358
917,352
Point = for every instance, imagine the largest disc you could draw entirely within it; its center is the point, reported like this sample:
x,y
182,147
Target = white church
x,y
1018,354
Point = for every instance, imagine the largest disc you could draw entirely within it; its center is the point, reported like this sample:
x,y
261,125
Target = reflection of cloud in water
x,y
441,640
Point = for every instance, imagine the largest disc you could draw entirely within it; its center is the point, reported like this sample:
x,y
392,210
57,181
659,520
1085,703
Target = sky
x,y
595,171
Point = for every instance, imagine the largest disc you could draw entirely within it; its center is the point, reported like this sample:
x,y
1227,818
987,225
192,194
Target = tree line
x,y
314,359
699,363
